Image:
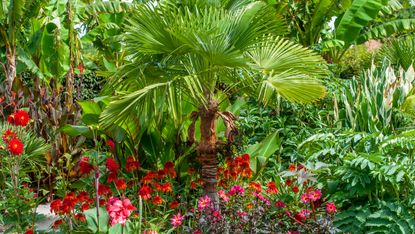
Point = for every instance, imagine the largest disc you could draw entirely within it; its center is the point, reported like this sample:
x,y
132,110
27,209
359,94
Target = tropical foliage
x,y
220,116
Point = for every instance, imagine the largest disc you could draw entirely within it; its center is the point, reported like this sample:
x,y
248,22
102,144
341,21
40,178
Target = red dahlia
x,y
111,144
84,166
112,165
120,183
8,135
21,117
15,146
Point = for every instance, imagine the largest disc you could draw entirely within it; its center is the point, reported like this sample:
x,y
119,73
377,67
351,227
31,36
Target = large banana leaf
x,y
261,152
387,29
359,14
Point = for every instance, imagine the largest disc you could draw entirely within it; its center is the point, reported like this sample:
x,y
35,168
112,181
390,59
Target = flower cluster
x,y
13,144
234,169
69,206
119,210
157,182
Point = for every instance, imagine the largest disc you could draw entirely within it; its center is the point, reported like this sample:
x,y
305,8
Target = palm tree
x,y
193,51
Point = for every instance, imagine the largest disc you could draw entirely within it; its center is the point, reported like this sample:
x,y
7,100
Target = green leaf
x,y
93,222
261,152
357,16
387,29
76,130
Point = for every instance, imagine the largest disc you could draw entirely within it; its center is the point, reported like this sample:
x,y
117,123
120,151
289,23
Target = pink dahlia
x,y
119,210
330,207
236,189
177,220
204,202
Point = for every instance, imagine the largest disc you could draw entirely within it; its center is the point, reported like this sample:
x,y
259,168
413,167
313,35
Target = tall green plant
x,y
192,52
369,100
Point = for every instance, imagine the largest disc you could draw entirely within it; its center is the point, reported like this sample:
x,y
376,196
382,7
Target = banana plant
x,y
14,16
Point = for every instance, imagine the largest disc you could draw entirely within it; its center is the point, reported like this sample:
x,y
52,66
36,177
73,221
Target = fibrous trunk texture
x,y
10,69
207,148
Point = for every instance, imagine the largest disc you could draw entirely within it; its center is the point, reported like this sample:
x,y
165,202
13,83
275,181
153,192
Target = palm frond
x,y
289,70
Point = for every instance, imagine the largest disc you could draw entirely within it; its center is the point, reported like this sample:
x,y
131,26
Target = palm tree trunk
x,y
207,149
10,69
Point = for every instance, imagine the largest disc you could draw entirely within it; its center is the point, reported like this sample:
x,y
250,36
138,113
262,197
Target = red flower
x,y
157,200
84,166
272,188
295,189
132,164
145,192
83,196
112,165
80,217
8,135
280,204
11,119
55,206
15,147
168,165
57,223
255,186
120,183
29,231
288,182
300,216
81,69
84,207
111,144
161,173
21,118
169,168
166,187
112,176
148,178
292,167
102,202
104,190
193,185
245,157
68,203
174,204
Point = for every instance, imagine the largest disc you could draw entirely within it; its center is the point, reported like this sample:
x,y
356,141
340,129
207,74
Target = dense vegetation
x,y
220,116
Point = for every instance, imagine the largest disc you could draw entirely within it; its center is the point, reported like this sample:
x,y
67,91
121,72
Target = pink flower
x,y
305,197
197,231
216,215
241,213
262,198
330,207
223,195
314,196
119,210
177,220
204,202
236,189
